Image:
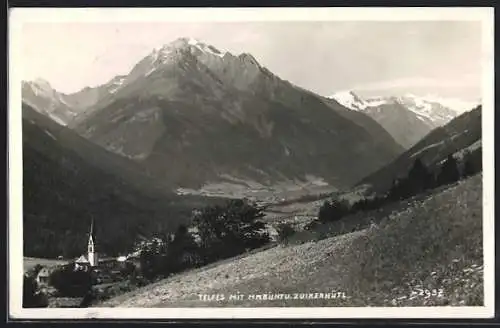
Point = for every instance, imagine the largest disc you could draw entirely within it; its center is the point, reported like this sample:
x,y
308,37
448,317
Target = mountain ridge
x,y
407,118
463,133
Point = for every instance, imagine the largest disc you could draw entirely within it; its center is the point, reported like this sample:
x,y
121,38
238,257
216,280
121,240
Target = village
x,y
108,276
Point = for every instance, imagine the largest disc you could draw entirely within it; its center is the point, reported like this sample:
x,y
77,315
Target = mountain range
x,y
407,118
190,114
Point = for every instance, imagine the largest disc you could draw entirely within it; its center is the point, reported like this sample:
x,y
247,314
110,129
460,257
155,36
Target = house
x,y
82,263
42,278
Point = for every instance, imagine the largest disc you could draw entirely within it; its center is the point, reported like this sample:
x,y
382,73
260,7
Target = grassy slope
x,y
434,242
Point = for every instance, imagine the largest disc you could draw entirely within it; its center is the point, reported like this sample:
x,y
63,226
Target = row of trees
x,y
421,178
418,179
216,232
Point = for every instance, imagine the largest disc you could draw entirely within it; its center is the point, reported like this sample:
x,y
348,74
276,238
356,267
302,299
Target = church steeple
x,y
91,247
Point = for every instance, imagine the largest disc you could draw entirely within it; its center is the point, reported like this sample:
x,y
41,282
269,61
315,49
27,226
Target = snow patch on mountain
x,y
458,105
204,47
424,107
116,84
350,100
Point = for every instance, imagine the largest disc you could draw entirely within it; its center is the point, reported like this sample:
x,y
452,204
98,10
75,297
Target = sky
x,y
371,58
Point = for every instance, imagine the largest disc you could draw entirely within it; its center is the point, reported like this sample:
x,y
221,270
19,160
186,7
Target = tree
x,y
32,296
154,257
69,282
420,178
333,210
449,171
368,204
229,230
400,189
183,252
285,231
472,163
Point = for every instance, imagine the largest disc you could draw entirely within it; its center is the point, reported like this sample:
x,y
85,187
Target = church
x,y
91,260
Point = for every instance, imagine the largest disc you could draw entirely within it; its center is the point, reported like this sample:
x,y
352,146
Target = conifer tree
x,y
449,171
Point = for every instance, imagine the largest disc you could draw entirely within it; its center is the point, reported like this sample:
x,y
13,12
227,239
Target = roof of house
x,y
82,259
46,271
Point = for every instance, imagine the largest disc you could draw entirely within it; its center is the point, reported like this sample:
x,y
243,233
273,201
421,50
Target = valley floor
x,y
429,245
31,262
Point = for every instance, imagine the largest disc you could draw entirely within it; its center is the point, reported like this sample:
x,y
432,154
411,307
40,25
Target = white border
x,y
19,16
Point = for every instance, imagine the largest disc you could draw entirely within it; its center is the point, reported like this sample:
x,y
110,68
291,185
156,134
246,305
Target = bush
x,y
285,231
71,283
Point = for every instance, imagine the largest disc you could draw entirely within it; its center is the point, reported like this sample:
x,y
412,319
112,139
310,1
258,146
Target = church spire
x,y
92,254
91,233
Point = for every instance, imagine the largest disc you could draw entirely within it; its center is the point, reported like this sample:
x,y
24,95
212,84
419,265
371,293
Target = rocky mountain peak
x,y
187,44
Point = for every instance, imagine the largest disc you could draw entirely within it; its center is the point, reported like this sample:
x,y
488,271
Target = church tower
x,y
91,249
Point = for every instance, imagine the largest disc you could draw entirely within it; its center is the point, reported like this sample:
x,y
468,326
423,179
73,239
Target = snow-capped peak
x,y
350,100
438,110
189,42
455,104
172,50
434,107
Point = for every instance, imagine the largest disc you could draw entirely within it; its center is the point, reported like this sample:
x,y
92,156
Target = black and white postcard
x,y
251,163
